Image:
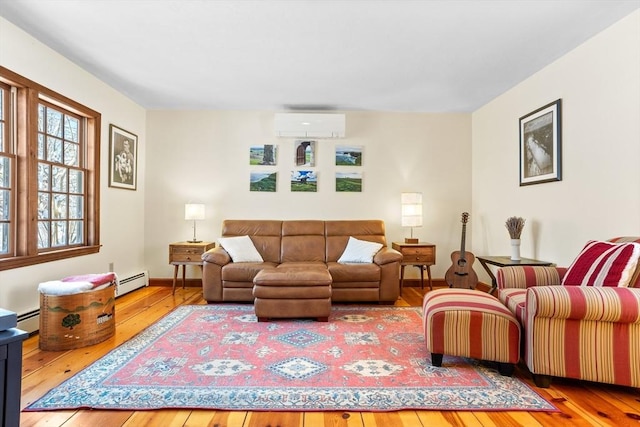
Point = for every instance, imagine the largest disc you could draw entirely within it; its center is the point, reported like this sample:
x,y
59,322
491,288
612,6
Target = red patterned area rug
x,y
366,358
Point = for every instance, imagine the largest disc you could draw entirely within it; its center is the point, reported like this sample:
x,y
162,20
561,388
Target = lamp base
x,y
194,241
410,240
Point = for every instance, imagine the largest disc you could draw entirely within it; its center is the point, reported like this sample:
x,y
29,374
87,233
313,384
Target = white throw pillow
x,y
241,249
359,251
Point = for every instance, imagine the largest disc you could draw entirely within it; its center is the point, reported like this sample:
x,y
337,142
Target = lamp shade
x,y
412,209
194,211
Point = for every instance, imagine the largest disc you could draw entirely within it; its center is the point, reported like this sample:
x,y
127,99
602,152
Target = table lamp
x,y
194,212
411,213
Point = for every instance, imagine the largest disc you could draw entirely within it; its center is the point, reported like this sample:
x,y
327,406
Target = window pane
x,y
59,182
1,132
4,238
71,126
43,206
71,154
54,123
58,233
41,155
5,172
54,150
75,207
59,206
4,205
44,177
43,235
41,111
75,232
76,181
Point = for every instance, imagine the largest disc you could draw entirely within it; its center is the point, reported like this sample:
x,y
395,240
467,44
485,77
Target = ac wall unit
x,y
309,125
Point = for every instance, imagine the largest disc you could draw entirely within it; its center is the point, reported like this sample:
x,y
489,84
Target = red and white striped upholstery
x,y
583,332
469,323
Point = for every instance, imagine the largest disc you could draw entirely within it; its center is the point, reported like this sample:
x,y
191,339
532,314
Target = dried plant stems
x,y
514,225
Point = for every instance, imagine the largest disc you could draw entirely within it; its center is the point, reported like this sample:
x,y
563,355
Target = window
x,y
49,174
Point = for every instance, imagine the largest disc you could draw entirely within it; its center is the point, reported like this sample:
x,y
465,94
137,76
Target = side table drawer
x,y
424,254
188,257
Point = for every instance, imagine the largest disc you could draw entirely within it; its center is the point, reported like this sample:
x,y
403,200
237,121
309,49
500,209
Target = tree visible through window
x,y
49,174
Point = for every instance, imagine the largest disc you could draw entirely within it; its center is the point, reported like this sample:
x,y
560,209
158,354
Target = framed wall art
x,y
540,145
304,181
263,155
123,154
304,153
263,181
349,182
348,155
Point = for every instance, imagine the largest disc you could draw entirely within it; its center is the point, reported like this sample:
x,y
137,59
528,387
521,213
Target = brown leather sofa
x,y
306,244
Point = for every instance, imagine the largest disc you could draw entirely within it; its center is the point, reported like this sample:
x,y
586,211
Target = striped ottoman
x,y
469,323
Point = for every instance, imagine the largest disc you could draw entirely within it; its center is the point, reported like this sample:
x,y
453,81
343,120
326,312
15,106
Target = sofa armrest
x,y
588,303
528,276
387,255
217,256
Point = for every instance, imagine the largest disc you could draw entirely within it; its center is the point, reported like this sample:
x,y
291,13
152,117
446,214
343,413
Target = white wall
x,y
203,157
599,195
122,211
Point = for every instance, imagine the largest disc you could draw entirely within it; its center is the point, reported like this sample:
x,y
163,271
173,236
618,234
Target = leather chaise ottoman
x,y
291,292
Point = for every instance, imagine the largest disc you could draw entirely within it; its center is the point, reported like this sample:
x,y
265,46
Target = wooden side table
x,y
421,255
186,253
505,261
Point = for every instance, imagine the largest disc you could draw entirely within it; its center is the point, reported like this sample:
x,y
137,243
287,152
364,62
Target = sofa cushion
x,y
359,251
603,264
515,300
354,272
240,249
243,271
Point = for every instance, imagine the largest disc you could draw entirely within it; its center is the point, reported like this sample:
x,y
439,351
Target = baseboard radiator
x,y
30,321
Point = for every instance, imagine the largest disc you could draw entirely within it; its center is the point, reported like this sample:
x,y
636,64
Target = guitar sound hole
x,y
462,262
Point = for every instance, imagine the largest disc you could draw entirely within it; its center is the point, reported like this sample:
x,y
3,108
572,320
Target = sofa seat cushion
x,y
304,264
515,300
243,271
354,272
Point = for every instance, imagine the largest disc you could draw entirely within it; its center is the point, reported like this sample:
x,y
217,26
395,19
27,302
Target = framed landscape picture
x,y
263,155
348,155
263,181
304,181
349,182
123,153
540,145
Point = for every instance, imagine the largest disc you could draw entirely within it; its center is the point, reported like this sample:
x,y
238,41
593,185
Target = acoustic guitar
x,y
461,274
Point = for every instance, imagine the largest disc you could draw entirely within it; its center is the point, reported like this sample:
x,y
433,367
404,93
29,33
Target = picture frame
x,y
123,156
541,145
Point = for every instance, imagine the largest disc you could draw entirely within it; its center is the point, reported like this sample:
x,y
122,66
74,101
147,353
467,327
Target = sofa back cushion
x,y
603,264
303,241
338,233
265,235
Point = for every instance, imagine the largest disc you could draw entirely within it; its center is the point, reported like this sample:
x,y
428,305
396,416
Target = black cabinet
x,y
10,376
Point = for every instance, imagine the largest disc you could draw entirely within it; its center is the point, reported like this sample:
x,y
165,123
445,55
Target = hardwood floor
x,y
580,403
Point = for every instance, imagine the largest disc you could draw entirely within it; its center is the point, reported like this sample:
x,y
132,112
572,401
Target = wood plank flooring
x,y
580,403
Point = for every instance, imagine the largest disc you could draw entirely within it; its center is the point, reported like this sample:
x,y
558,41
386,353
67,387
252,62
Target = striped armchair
x,y
585,332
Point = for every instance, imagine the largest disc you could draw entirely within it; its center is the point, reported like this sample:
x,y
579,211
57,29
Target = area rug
x,y
220,357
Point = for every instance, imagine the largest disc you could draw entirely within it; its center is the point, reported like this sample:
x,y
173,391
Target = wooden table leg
x,y
429,275
175,277
401,278
184,269
421,276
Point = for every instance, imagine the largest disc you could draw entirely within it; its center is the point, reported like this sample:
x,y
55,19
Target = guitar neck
x,y
462,243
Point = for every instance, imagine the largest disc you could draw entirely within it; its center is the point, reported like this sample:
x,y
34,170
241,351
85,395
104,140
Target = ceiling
x,y
407,56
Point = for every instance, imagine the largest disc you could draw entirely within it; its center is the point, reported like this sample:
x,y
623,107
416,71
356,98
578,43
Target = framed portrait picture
x,y
123,154
540,145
